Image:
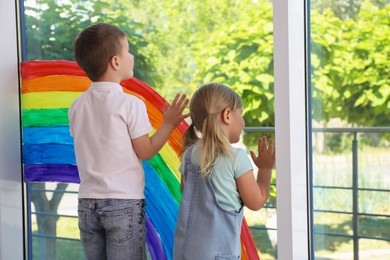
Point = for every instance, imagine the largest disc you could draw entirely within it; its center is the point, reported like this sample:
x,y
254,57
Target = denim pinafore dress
x,y
204,230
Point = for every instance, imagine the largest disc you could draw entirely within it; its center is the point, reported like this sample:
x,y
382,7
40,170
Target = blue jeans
x,y
112,229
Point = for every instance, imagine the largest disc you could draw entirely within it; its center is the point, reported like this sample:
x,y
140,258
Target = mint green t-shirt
x,y
223,179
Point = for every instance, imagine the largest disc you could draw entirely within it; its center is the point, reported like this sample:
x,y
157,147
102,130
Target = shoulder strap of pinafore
x,y
187,159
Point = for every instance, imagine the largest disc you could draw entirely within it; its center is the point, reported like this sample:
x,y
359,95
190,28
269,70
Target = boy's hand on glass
x,y
266,153
173,114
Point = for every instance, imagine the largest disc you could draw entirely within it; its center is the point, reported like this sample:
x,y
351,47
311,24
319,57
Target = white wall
x,y
11,202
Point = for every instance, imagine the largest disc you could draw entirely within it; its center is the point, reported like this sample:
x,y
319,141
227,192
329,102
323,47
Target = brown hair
x,y
95,46
207,103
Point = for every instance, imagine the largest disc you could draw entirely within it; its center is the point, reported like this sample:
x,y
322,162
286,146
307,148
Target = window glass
x,y
178,46
350,119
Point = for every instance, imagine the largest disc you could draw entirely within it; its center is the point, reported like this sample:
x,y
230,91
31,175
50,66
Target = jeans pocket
x,y
117,224
85,233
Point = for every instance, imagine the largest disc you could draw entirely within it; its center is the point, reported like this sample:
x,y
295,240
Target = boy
x,y
110,130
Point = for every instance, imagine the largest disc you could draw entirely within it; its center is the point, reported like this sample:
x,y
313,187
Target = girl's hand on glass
x,y
265,158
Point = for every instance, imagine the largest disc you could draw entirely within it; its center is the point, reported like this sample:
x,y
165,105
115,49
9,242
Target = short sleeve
x,y
242,163
138,119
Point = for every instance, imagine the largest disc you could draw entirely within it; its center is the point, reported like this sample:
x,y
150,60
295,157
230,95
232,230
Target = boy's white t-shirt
x,y
103,120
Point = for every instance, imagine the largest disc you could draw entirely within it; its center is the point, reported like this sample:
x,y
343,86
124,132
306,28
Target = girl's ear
x,y
226,115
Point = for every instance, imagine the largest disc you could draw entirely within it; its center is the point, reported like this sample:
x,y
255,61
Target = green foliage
x,y
52,26
240,55
344,9
350,64
180,45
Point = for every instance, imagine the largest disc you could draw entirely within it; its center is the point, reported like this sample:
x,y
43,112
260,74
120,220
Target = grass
x,y
66,249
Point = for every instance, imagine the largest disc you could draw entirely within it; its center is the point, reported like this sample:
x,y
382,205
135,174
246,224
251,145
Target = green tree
x,y
239,53
350,63
167,25
51,27
187,43
343,9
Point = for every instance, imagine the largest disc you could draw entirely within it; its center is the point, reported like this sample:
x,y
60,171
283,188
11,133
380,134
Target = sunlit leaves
x,y
351,70
52,26
180,45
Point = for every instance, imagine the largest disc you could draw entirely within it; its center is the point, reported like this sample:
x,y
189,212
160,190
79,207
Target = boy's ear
x,y
226,115
114,63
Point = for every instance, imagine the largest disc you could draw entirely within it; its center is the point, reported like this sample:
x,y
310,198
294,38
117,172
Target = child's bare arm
x,y
146,147
254,193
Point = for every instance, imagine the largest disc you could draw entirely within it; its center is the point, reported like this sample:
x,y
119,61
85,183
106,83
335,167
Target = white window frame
x,y
291,129
11,185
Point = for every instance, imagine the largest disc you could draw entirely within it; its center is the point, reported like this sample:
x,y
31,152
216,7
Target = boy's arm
x,y
146,147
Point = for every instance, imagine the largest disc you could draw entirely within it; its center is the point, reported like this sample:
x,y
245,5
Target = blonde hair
x,y
207,103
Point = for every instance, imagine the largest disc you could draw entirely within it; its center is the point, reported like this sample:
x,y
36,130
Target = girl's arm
x,y
254,193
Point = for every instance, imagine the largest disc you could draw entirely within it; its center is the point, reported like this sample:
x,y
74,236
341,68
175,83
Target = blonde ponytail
x,y
207,104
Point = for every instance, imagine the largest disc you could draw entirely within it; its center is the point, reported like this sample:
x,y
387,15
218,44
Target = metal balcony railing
x,y
355,184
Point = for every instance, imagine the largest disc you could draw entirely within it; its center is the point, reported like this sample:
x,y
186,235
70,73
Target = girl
x,y
218,179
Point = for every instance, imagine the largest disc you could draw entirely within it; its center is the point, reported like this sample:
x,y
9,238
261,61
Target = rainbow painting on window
x,y
48,89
